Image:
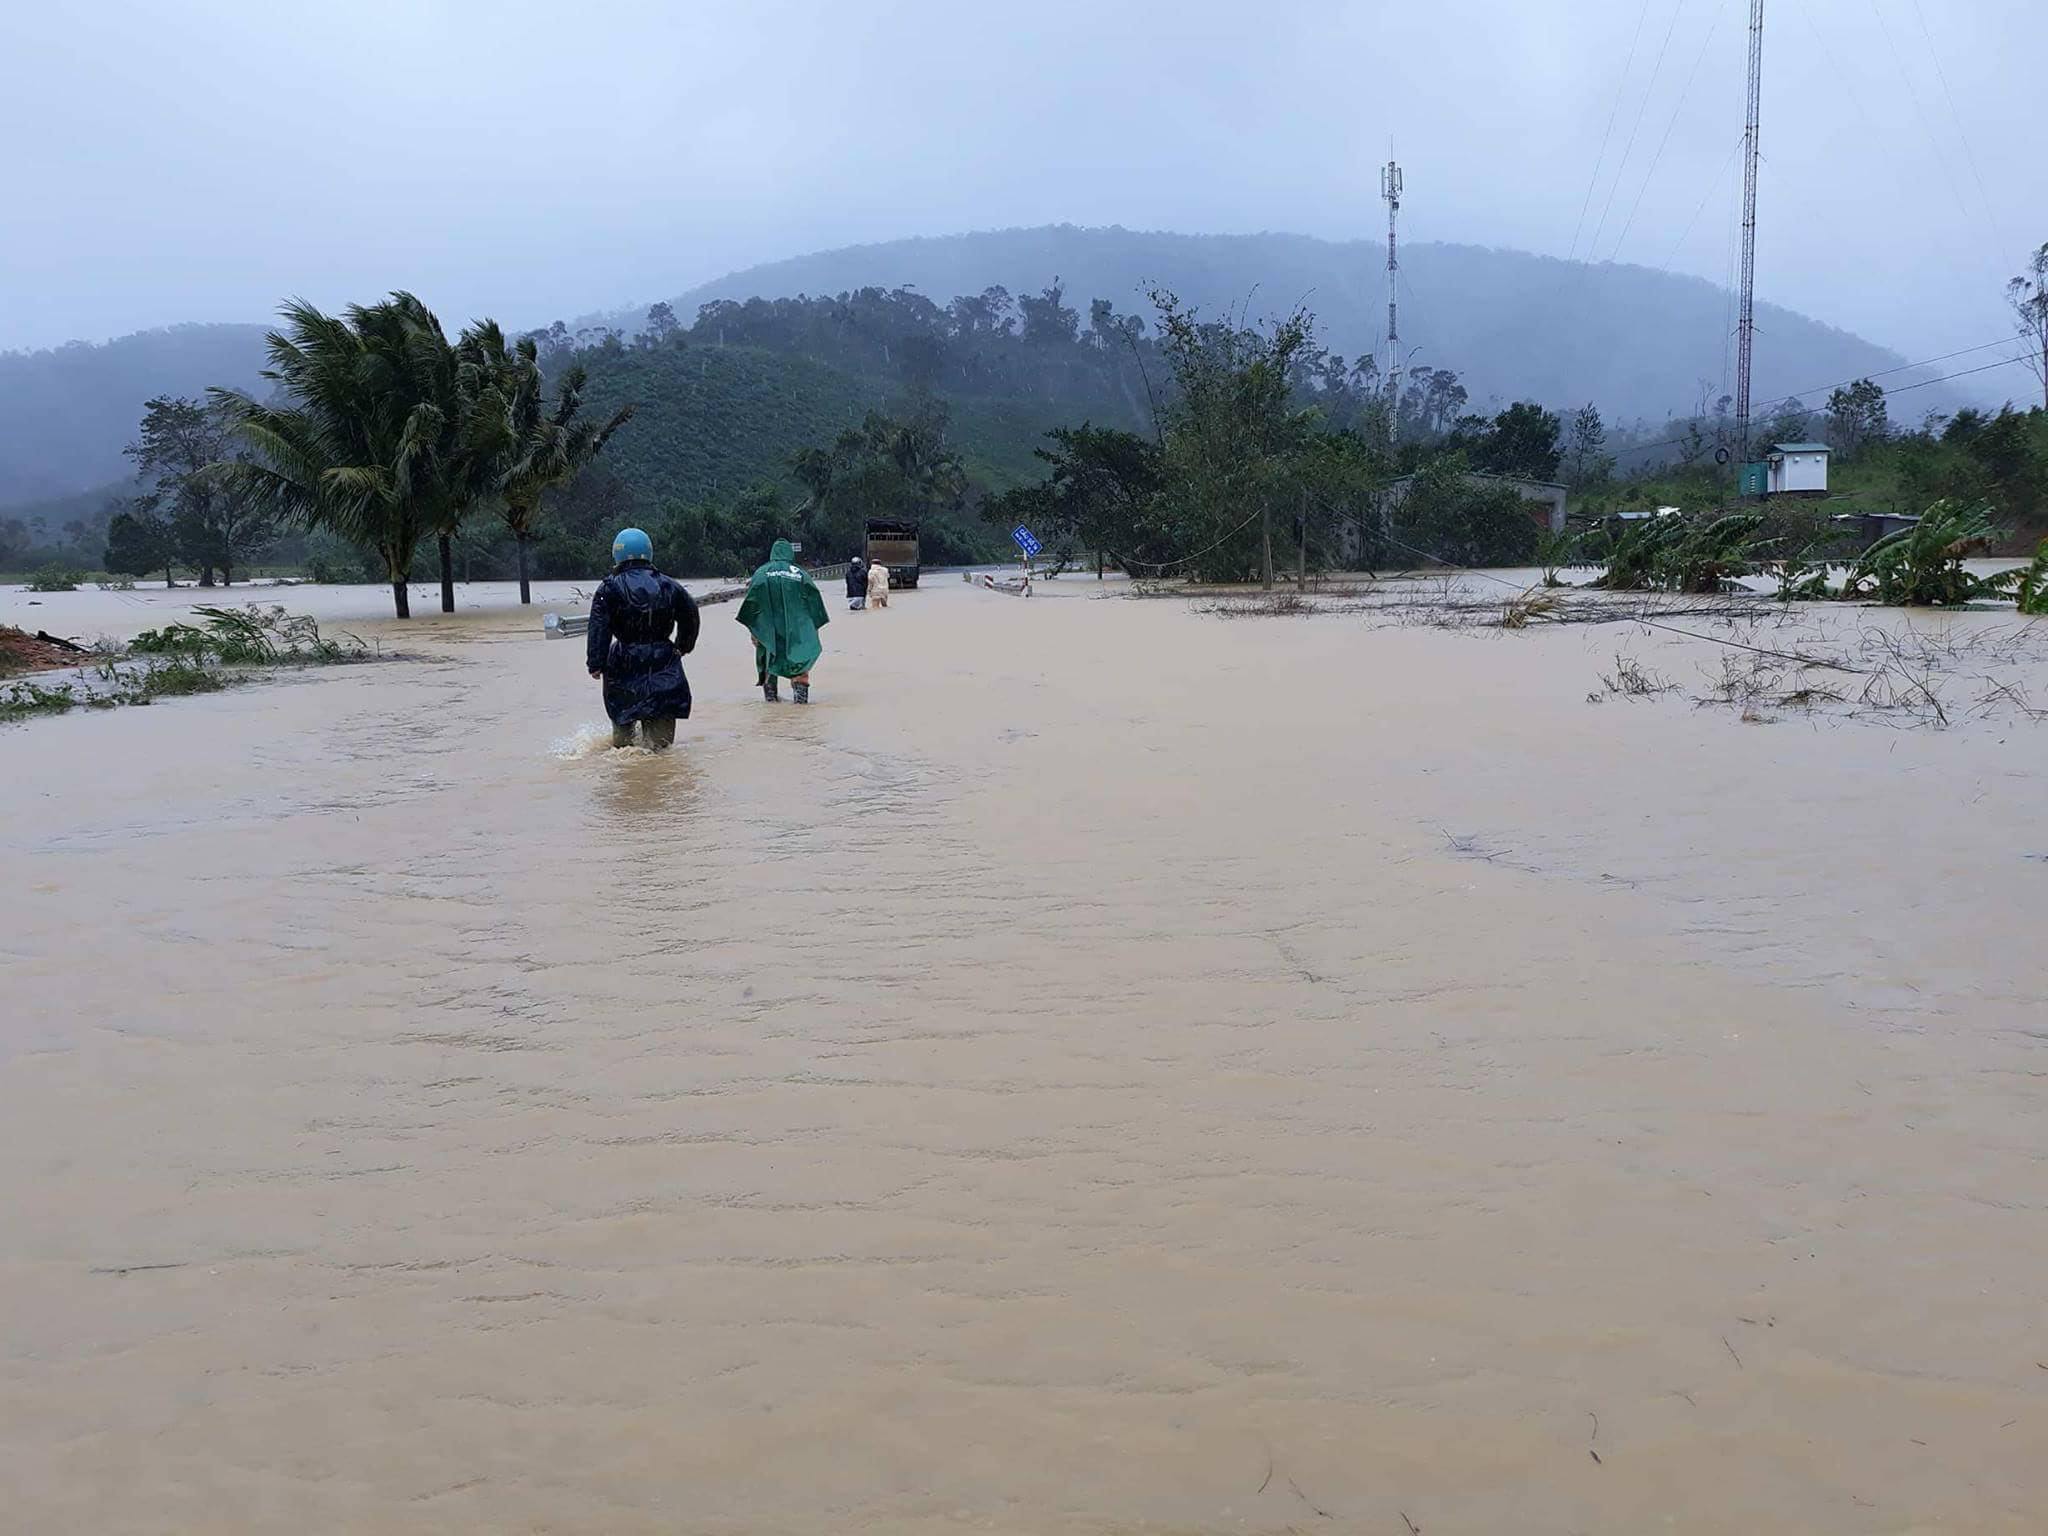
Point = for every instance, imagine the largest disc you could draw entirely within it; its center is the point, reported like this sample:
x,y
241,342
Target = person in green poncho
x,y
784,613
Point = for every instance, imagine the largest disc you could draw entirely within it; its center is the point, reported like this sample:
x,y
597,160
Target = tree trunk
x,y
206,576
401,600
1266,534
447,573
1301,547
525,591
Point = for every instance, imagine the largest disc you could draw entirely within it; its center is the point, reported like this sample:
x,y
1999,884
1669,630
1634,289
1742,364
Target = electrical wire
x,y
1713,186
1963,373
1873,132
1919,111
1637,127
1962,133
1713,25
1613,112
1648,623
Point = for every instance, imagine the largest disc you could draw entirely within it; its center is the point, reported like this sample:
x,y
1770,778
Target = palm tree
x,y
479,404
549,447
369,440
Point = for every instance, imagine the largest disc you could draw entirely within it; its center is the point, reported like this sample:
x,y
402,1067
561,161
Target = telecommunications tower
x,y
1745,333
1390,189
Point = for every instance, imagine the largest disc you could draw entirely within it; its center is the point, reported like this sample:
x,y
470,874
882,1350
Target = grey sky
x,y
200,159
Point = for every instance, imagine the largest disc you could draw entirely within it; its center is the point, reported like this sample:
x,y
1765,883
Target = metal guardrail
x,y
570,626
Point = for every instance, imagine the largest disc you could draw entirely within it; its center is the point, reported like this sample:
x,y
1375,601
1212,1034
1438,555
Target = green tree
x,y
1445,515
662,323
212,523
547,446
1230,429
1585,453
1101,494
367,431
2028,295
884,468
1522,441
1048,320
140,541
1857,417
1791,422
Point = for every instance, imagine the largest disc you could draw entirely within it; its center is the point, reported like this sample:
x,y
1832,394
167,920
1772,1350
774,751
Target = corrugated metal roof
x,y
1802,448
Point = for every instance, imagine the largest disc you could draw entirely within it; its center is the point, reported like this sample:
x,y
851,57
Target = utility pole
x,y
1745,334
1390,189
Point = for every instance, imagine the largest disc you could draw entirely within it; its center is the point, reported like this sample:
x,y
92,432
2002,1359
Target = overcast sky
x,y
200,159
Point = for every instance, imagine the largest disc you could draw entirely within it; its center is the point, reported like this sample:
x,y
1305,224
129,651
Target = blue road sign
x,y
1025,541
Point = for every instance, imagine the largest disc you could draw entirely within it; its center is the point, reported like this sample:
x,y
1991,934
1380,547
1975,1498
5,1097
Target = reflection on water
x,y
1312,1084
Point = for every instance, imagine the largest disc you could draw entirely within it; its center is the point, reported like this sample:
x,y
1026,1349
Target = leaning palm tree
x,y
485,442
549,447
368,434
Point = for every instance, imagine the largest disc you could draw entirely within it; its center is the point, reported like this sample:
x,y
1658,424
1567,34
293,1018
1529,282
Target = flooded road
x,y
1101,1066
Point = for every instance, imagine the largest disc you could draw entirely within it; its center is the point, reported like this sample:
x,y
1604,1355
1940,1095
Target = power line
x,y
1620,88
1919,111
1962,373
1638,618
1962,133
1658,159
1909,194
1636,128
1713,186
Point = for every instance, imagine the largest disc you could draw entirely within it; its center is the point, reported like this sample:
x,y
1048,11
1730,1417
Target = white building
x,y
1797,468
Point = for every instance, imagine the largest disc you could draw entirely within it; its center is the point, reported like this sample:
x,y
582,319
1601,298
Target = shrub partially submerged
x,y
1684,554
175,677
251,636
1922,566
2029,584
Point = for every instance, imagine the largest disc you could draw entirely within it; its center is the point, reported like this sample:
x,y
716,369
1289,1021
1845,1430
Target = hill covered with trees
x,y
71,410
1646,346
1643,344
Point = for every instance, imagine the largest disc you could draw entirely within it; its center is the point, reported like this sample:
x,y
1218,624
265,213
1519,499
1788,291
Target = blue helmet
x,y
631,544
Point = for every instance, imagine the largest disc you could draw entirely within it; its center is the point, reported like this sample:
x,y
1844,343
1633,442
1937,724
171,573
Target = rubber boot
x,y
802,692
769,690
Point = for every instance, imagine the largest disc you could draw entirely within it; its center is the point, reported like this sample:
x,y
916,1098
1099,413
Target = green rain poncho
x,y
784,613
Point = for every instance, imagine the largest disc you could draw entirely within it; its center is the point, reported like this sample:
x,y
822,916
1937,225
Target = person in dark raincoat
x,y
856,584
642,625
784,612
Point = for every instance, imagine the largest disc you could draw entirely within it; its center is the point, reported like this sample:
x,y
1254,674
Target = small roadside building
x,y
1796,469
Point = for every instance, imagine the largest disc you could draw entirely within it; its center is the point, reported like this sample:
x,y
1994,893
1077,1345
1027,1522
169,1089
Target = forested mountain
x,y
1644,345
70,410
1638,342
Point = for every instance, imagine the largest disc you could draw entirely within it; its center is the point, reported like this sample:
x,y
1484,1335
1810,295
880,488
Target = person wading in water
x,y
642,625
784,612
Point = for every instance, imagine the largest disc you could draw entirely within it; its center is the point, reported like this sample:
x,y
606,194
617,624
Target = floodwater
x,y
1101,1067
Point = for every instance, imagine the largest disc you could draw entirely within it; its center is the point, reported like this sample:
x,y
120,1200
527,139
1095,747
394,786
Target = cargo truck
x,y
894,544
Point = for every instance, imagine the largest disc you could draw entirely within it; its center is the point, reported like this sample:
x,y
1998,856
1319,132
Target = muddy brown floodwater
x,y
1100,1067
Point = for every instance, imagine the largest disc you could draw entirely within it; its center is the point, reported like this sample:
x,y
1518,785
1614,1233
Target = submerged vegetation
x,y
1922,566
183,659
256,635
113,685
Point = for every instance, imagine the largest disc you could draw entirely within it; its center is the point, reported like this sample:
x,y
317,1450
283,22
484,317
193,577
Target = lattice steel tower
x,y
1390,189
1745,333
